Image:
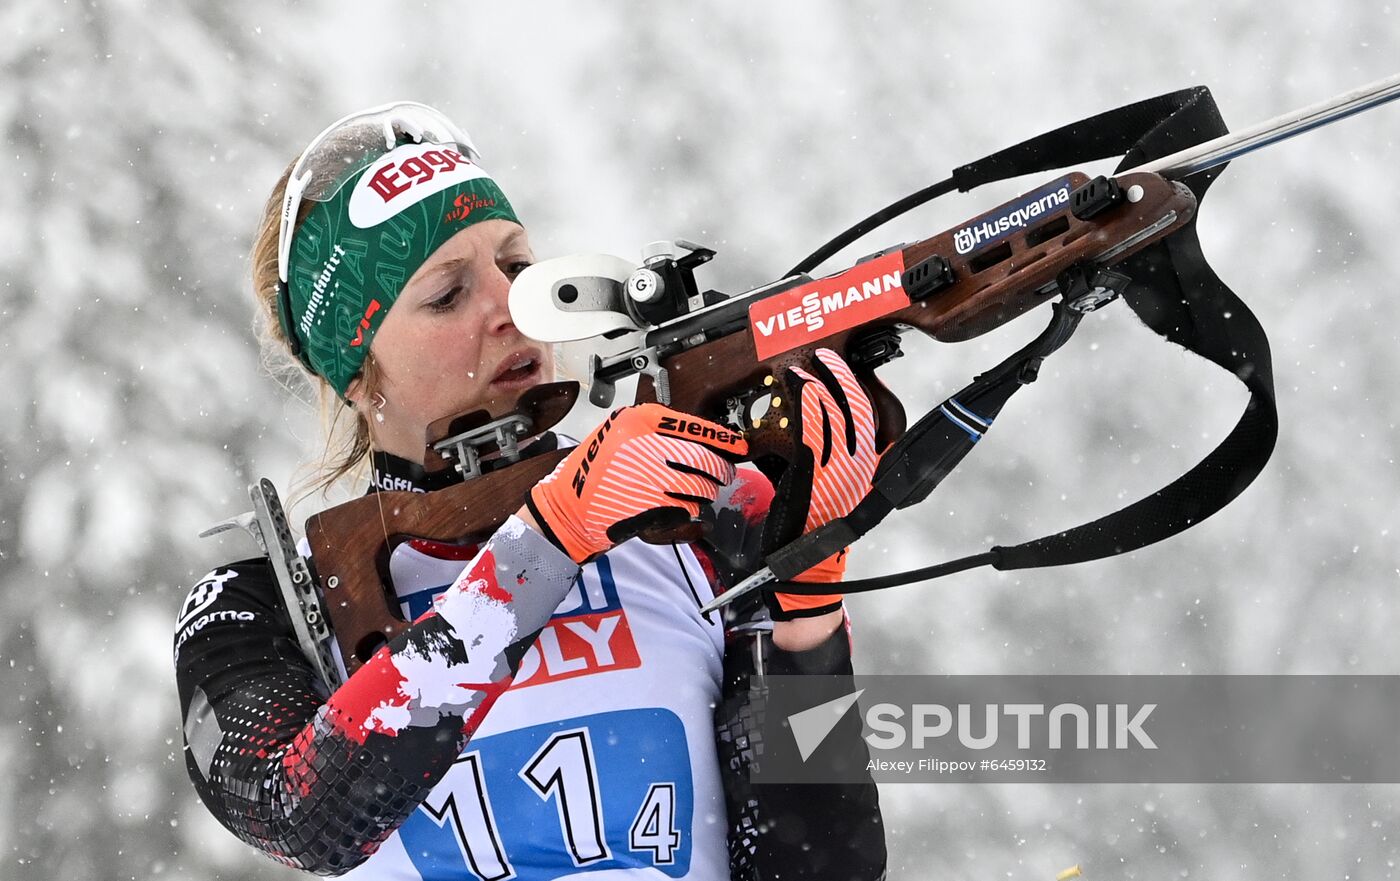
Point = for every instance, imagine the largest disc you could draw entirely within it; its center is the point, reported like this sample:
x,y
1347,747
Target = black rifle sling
x,y
1181,298
1174,291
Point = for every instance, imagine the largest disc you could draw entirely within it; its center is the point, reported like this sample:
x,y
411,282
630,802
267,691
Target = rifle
x,y
1077,242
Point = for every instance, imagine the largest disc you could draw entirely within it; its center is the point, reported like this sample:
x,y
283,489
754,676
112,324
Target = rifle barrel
x,y
1223,149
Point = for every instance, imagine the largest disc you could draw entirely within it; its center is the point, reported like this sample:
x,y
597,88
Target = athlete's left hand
x,y
832,470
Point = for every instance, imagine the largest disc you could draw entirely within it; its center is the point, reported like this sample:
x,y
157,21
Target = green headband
x,y
354,252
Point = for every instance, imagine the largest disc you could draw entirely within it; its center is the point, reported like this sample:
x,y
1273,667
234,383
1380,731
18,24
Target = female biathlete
x,y
553,709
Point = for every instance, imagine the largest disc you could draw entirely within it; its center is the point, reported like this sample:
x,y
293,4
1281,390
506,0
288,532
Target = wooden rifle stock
x,y
351,543
990,285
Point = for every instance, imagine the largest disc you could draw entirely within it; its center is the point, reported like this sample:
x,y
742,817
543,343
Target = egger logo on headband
x,y
406,176
354,251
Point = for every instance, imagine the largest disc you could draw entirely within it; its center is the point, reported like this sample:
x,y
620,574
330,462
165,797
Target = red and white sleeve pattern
x,y
317,781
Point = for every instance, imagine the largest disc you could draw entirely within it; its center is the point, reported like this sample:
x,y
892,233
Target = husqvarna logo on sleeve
x,y
203,595
195,614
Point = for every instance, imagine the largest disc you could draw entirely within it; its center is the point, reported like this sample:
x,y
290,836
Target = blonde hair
x,y
347,446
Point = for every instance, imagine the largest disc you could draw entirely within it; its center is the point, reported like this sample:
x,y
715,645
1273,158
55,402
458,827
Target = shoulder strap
x,y
1179,296
1174,291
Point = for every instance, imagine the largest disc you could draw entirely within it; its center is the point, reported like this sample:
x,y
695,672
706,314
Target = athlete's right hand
x,y
645,467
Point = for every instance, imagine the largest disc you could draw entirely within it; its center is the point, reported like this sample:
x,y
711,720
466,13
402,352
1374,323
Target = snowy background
x,y
142,137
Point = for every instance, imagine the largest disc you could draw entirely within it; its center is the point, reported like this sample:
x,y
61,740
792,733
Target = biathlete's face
x,y
448,345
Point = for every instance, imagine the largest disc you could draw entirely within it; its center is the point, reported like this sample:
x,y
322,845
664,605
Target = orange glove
x,y
833,468
646,467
